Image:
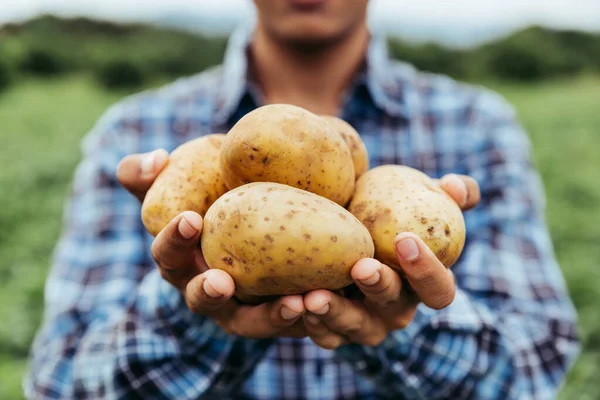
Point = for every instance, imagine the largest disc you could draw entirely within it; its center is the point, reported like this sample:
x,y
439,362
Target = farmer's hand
x,y
206,291
387,302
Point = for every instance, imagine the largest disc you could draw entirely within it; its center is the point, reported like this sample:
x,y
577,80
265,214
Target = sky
x,y
452,22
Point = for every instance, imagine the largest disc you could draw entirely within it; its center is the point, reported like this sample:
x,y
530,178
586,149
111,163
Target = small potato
x,y
274,239
391,199
286,144
191,181
360,157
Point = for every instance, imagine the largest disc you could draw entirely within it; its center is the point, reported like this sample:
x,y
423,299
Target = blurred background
x,y
63,63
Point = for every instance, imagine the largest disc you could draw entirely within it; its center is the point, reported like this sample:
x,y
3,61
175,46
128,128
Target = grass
x,y
43,122
42,125
563,121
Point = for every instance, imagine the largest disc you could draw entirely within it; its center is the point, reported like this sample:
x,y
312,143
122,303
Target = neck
x,y
313,78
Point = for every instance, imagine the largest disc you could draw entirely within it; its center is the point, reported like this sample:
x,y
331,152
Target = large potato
x,y
191,181
274,239
287,144
360,156
391,199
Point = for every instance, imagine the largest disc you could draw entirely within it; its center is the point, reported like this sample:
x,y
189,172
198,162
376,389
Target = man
x,y
130,316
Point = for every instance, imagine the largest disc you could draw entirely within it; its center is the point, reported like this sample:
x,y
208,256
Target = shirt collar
x,y
384,82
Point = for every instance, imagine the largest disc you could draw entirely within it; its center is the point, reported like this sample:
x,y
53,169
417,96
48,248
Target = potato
x,y
286,144
391,199
191,181
360,157
275,240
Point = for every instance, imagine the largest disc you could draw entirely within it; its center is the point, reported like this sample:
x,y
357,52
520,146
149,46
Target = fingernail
x,y
312,319
186,229
210,290
407,249
372,280
288,313
322,310
147,165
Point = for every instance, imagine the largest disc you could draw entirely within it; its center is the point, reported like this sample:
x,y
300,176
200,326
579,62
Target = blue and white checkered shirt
x,y
114,329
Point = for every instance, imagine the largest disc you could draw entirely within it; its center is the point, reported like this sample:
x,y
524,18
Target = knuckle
x,y
386,300
170,240
382,290
160,250
336,309
355,327
192,304
353,330
277,320
425,277
239,328
164,247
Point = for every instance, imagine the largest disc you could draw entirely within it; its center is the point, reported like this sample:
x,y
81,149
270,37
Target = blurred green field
x,y
42,122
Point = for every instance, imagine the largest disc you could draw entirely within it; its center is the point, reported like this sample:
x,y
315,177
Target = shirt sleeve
x,y
511,330
112,327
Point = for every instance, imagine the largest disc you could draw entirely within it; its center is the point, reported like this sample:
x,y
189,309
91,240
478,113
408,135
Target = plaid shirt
x,y
114,329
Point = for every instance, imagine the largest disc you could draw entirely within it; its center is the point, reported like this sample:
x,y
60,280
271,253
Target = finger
x,y
380,284
383,291
137,172
265,320
297,330
321,335
174,249
210,293
345,317
428,277
463,189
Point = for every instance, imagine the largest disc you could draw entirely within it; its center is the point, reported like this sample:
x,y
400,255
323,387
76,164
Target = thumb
x,y
137,172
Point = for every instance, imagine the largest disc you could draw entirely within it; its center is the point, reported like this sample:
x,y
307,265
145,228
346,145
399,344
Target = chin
x,y
310,34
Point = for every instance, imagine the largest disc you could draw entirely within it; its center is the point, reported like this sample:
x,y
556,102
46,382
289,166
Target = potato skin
x,y
391,199
191,181
286,144
274,239
360,156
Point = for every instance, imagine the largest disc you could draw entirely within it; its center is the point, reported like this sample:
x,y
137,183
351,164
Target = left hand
x,y
388,302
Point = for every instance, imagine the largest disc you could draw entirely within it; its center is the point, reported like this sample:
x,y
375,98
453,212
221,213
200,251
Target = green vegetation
x,y
120,74
40,137
45,112
533,54
49,45
563,122
131,55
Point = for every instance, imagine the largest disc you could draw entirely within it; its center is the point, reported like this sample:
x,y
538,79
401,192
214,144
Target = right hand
x,y
206,291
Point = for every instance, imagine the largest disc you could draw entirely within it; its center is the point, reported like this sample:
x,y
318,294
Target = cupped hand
x,y
208,292
387,302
